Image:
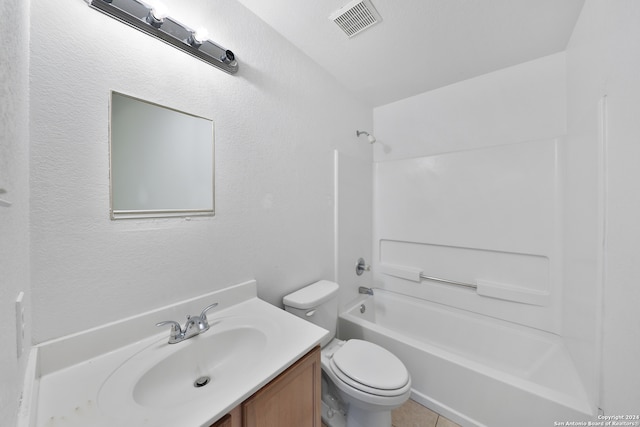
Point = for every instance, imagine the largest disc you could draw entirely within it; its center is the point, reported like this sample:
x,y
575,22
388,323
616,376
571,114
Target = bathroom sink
x,y
127,374
209,361
173,377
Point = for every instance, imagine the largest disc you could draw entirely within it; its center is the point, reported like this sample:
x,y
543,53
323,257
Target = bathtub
x,y
472,369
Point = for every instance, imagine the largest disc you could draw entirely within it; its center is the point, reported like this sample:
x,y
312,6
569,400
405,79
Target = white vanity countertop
x,y
71,396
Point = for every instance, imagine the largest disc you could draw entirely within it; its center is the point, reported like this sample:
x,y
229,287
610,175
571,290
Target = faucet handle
x,y
203,315
176,330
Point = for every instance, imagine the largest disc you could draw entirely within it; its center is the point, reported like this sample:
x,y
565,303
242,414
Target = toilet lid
x,y
370,365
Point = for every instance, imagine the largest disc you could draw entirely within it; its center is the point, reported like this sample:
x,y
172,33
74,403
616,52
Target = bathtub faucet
x,y
364,290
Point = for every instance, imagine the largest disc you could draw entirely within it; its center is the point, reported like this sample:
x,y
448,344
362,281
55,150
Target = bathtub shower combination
x,y
473,369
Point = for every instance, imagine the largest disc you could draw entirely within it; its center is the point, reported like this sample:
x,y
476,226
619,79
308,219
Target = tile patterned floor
x,y
413,414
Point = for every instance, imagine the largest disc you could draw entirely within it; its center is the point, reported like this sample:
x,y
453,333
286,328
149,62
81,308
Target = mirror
x,y
161,161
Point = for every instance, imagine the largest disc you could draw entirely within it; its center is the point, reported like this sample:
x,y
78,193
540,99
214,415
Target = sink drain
x,y
201,382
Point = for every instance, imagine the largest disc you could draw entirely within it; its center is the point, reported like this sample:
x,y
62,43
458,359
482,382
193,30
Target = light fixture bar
x,y
141,16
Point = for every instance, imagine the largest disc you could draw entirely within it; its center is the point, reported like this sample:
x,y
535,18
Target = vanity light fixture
x,y
155,22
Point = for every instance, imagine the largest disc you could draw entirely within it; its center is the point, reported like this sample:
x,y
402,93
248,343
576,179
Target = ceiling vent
x,y
356,17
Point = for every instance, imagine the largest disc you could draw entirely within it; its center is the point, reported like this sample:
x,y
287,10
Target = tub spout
x,y
364,290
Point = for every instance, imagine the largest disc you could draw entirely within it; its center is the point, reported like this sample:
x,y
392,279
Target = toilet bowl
x,y
362,382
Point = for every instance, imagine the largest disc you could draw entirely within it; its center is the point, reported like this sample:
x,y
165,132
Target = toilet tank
x,y
316,303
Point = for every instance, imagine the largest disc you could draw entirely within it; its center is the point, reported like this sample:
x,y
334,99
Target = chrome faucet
x,y
195,326
365,290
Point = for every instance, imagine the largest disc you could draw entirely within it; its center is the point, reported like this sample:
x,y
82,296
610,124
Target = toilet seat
x,y
370,368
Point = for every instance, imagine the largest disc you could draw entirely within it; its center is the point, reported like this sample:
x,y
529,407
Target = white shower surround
x,y
527,102
485,217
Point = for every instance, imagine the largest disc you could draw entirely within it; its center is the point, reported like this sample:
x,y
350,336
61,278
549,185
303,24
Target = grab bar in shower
x,y
416,275
448,282
484,288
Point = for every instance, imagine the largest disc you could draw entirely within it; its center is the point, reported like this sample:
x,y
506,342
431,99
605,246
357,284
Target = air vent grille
x,y
356,17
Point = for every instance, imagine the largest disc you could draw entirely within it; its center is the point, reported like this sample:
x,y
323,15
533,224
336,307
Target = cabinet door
x,y
232,419
291,400
223,422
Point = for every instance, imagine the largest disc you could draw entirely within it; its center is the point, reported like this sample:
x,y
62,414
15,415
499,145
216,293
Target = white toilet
x,y
361,381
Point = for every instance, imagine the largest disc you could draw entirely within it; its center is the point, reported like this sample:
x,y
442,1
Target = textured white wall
x,y
277,124
354,219
14,178
602,205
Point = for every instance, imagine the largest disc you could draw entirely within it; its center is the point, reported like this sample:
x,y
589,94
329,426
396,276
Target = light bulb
x,y
156,15
200,35
159,10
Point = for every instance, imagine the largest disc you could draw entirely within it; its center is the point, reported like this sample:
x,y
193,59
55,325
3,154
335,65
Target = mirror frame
x,y
157,213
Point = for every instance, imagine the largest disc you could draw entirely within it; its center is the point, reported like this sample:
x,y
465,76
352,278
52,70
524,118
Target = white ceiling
x,y
422,44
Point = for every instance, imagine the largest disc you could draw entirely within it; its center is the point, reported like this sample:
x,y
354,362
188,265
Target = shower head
x,y
370,137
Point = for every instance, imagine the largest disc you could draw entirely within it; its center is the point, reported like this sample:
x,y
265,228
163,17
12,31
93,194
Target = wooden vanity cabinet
x,y
292,399
232,419
226,421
